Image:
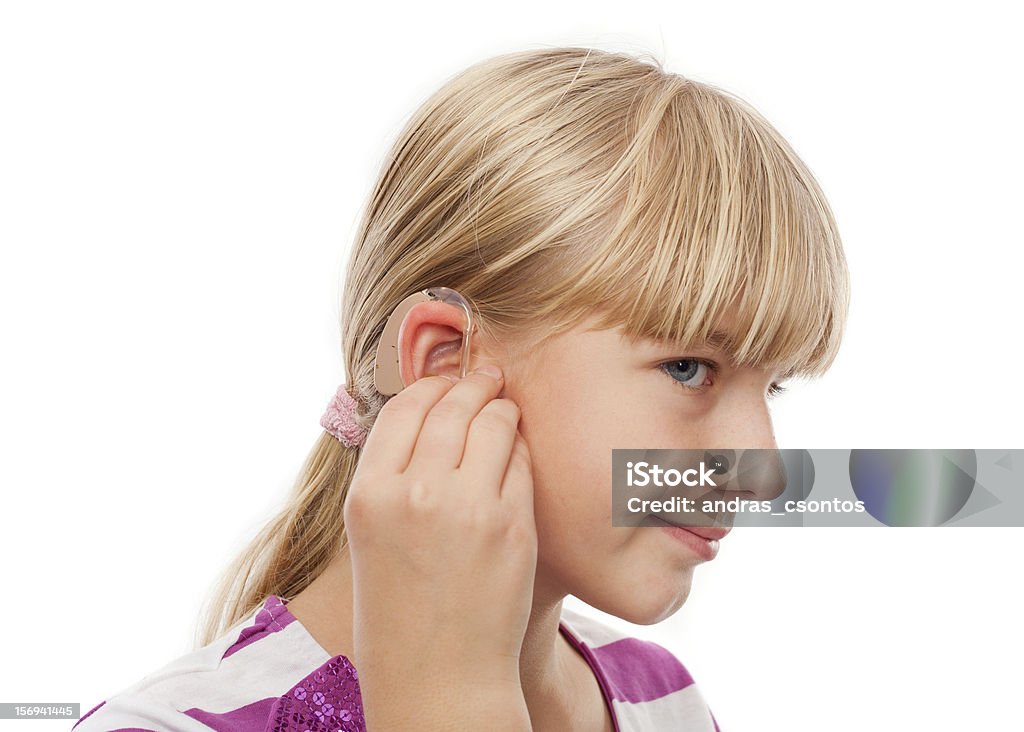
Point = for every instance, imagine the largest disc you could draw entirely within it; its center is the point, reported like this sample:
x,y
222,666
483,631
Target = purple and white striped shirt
x,y
268,674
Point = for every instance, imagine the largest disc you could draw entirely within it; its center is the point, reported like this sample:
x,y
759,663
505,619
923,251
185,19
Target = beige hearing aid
x,y
386,375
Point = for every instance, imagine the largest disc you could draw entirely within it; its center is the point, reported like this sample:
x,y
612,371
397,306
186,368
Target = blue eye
x,y
683,371
691,373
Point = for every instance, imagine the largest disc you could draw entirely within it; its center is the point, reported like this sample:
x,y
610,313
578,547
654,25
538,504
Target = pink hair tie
x,y
340,419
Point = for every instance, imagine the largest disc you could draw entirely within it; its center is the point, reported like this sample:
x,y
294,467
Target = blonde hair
x,y
556,184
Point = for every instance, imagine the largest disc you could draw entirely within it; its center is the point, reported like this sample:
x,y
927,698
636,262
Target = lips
x,y
708,532
705,532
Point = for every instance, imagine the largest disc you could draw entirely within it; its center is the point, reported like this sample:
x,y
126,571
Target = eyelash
x,y
773,390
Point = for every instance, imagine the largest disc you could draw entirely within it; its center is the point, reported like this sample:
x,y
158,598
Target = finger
x,y
442,440
390,443
517,486
489,442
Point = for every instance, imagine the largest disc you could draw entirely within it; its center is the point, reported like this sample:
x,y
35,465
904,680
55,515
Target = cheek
x,y
571,426
570,447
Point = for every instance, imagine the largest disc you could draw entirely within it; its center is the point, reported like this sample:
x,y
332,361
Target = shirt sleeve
x,y
125,713
326,700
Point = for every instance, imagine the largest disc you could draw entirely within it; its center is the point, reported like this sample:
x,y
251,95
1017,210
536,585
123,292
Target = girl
x,y
644,259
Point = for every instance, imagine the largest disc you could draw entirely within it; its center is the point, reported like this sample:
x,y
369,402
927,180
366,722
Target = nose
x,y
743,422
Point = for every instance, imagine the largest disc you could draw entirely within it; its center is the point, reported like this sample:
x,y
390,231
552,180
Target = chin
x,y
642,604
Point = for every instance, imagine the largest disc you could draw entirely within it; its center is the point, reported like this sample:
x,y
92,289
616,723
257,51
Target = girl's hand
x,y
441,533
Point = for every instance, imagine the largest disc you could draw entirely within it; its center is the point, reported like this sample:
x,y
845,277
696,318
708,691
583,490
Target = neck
x,y
548,665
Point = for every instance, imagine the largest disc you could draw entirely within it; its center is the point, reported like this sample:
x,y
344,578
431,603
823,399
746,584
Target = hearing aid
x,y
387,377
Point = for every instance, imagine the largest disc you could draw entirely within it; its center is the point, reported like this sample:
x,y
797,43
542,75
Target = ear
x,y
430,341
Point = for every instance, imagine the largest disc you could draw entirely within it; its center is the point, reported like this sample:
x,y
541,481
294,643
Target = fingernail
x,y
491,370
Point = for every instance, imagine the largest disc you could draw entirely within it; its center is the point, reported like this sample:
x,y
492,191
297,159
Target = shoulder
x,y
648,684
262,669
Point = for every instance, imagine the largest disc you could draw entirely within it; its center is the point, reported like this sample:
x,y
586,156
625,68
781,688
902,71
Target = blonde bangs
x,y
719,217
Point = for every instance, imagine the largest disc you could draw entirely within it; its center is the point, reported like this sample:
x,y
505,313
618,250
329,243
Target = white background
x,y
179,186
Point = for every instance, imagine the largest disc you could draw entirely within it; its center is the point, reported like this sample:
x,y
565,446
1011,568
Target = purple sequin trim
x,y
327,700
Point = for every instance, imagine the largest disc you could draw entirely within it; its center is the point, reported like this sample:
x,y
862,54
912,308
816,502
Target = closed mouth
x,y
705,532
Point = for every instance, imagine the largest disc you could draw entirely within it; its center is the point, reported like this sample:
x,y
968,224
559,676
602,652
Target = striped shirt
x,y
268,674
